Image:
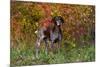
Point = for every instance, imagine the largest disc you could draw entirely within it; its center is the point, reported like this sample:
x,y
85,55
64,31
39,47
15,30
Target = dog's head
x,y
58,20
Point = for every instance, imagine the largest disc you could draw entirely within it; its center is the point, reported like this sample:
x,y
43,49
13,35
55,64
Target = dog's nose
x,y
58,23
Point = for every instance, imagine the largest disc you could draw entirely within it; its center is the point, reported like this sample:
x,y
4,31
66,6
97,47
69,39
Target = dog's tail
x,y
36,32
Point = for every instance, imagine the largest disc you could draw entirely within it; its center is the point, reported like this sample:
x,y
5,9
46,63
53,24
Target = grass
x,y
26,56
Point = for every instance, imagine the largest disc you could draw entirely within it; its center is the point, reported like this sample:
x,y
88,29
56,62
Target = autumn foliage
x,y
26,18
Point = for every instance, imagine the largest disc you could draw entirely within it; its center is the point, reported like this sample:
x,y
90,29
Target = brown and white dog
x,y
50,31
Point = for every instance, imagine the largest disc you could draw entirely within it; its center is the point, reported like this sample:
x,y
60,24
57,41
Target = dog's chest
x,y
55,34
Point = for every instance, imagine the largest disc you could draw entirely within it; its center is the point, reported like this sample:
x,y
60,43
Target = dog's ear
x,y
61,18
54,20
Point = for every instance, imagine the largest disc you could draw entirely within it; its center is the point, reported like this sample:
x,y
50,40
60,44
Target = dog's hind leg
x,y
38,41
37,47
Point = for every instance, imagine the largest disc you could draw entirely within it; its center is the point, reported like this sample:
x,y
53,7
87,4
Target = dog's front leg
x,y
59,46
59,42
46,46
52,40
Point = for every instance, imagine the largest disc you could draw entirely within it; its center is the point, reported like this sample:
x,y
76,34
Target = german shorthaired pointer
x,y
50,31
